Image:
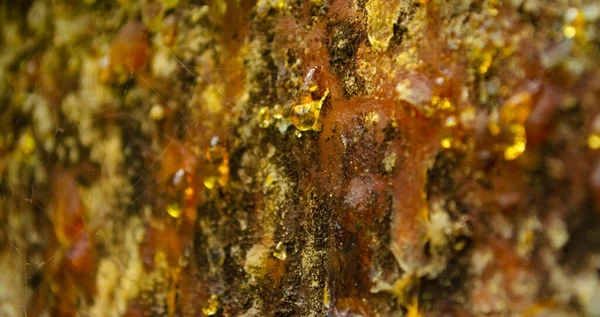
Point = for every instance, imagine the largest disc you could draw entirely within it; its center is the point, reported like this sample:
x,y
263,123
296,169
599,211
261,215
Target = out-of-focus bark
x,y
299,158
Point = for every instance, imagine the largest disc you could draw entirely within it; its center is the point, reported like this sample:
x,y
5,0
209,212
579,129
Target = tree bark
x,y
300,158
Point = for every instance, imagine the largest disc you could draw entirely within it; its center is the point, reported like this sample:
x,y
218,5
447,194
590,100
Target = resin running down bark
x,y
299,158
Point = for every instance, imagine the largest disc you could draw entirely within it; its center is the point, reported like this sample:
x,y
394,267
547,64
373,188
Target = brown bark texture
x,y
300,158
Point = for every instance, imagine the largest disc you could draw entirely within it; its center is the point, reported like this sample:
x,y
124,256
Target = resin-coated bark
x,y
300,158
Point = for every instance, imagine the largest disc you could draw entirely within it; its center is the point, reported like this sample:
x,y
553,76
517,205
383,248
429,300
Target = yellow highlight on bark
x,y
381,16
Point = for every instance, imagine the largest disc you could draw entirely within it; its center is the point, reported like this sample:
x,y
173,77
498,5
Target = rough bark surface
x,y
300,158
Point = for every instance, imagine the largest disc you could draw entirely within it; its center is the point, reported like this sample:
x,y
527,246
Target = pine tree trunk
x,y
299,158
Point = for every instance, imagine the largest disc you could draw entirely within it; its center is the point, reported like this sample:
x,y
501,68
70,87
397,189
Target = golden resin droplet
x,y
277,112
280,251
445,104
27,143
174,210
513,116
441,103
574,23
593,141
212,306
305,115
180,192
264,117
508,124
485,59
157,112
459,245
224,171
189,192
519,143
217,168
569,31
216,153
446,143
210,182
450,122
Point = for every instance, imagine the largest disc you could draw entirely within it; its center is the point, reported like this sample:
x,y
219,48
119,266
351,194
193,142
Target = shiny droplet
x,y
210,182
450,122
217,168
593,141
180,193
212,306
574,23
519,143
446,143
27,143
441,103
304,116
174,210
157,112
280,251
485,59
512,118
306,111
569,31
277,112
264,117
189,192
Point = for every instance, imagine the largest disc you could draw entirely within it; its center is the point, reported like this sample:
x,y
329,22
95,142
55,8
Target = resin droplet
x,y
210,182
450,122
215,154
485,61
280,251
519,143
180,193
508,124
217,169
277,112
212,306
174,210
593,141
27,143
443,104
264,117
305,113
157,112
305,116
446,143
569,31
574,23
